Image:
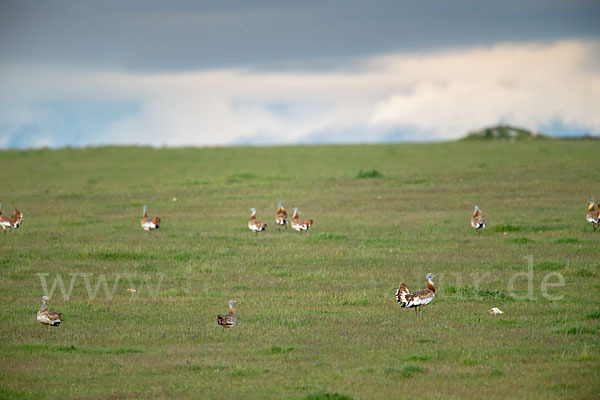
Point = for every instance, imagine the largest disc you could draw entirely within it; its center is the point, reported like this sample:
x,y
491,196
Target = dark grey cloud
x,y
187,35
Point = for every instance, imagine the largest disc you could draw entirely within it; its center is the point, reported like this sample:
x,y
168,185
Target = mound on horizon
x,y
504,132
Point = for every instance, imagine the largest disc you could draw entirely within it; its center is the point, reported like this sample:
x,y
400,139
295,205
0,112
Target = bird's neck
x,y
231,309
430,285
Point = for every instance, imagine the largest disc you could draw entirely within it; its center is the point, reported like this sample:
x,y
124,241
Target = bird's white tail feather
x,y
403,294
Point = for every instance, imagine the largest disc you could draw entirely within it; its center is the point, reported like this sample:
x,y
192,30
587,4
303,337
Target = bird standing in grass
x,y
254,225
477,221
417,299
592,216
299,224
48,317
281,218
228,320
13,222
149,223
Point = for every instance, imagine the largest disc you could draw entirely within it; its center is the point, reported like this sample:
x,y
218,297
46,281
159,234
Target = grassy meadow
x,y
317,313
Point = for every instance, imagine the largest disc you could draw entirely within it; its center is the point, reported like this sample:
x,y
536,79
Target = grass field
x,y
317,312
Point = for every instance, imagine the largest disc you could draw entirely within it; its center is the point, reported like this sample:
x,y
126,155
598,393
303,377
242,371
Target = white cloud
x,y
526,85
443,94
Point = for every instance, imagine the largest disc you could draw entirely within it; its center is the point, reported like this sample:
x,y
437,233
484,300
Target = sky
x,y
210,73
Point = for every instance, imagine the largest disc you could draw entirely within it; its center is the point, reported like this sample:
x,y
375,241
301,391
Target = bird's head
x,y
45,298
430,277
280,205
253,210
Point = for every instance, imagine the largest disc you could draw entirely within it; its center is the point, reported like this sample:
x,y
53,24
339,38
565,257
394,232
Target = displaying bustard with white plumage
x,y
149,223
48,317
300,224
228,320
10,222
477,221
416,299
254,225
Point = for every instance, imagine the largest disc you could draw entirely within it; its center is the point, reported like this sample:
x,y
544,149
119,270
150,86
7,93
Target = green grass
x,y
38,347
594,315
507,228
317,315
519,240
326,396
369,173
407,371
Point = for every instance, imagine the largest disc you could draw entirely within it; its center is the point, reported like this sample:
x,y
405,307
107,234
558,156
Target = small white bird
x,y
495,311
48,317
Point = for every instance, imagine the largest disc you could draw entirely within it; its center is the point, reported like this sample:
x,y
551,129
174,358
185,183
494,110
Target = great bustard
x,y
281,218
416,299
228,320
8,222
149,223
254,225
592,216
477,221
299,224
48,317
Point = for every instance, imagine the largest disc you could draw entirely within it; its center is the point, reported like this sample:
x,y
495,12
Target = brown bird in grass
x,y
299,224
281,218
48,317
149,223
228,320
254,225
592,216
417,299
13,222
477,221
